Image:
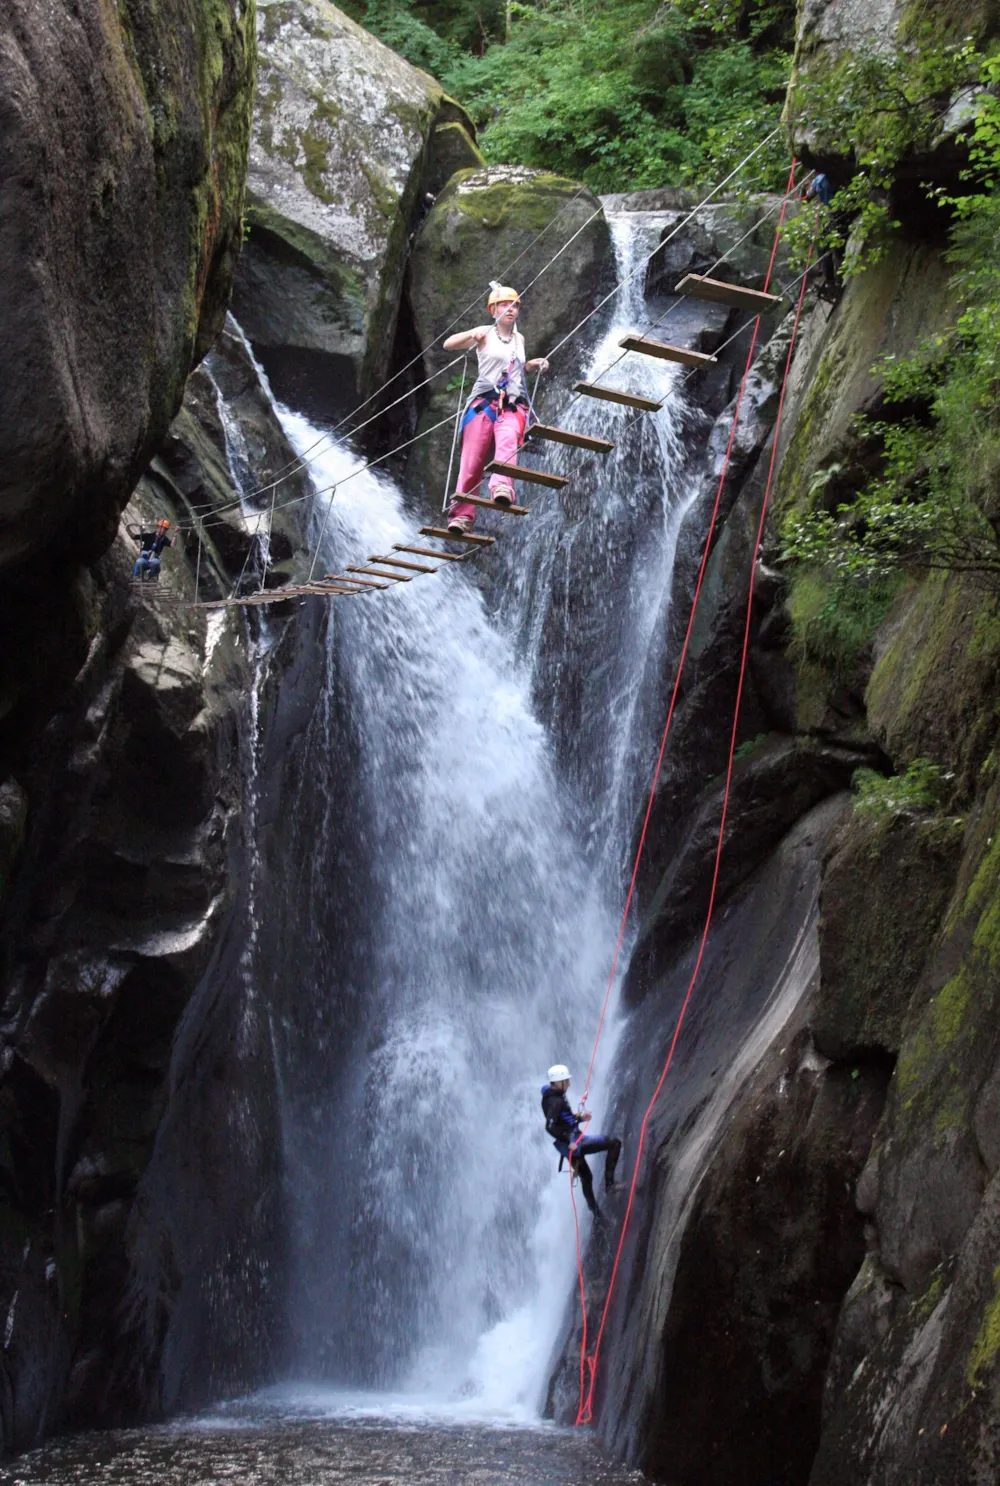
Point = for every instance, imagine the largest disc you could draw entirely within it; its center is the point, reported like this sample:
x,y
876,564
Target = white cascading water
x,y
496,830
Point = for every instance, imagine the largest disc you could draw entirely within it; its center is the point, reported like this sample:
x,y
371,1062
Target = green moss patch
x,y
987,1343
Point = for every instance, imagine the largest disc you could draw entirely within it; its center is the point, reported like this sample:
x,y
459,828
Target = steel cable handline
x,y
656,324
687,637
219,510
294,468
544,269
419,356
634,420
669,238
581,1418
586,1405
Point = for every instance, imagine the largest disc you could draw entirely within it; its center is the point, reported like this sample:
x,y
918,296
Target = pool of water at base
x,y
322,1440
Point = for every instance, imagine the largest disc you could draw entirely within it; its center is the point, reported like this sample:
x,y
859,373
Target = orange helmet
x,y
502,294
163,521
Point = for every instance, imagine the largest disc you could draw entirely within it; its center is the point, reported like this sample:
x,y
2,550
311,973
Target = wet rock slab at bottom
x,y
321,1451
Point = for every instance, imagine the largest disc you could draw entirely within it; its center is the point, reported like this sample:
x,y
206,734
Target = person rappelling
x,y
566,1126
494,418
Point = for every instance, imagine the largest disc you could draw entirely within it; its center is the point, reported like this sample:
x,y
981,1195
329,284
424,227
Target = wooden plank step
x,y
377,573
491,505
698,287
354,582
429,552
663,352
454,536
397,562
564,436
533,477
611,394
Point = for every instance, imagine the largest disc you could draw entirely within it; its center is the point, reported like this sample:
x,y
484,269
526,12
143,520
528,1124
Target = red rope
x,y
586,1411
687,640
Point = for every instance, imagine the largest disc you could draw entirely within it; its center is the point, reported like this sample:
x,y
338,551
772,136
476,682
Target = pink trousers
x,y
482,440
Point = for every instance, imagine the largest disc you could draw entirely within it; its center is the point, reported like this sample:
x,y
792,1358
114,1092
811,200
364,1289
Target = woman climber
x,y
493,419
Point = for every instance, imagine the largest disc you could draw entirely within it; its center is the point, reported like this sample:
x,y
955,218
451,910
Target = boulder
x,y
832,34
506,223
347,137
123,144
777,783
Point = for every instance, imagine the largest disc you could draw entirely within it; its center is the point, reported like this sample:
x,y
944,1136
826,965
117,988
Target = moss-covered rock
x,y
347,136
120,229
933,690
487,225
930,1192
833,33
885,888
889,309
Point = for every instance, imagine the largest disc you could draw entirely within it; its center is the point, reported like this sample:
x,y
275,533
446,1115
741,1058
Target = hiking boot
x,y
460,524
503,495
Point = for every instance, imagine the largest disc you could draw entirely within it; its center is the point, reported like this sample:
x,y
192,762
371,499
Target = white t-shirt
x,y
495,356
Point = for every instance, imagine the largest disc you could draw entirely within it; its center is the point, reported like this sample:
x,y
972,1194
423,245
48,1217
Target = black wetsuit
x,y
565,1129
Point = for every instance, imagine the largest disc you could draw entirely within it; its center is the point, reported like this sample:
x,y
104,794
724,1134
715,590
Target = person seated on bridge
x,y
151,544
493,419
566,1126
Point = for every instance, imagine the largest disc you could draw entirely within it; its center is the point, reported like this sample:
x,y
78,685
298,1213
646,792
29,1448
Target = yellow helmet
x,y
502,294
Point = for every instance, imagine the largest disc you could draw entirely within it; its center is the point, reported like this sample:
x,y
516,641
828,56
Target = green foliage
x,y
750,746
399,25
623,95
935,500
878,108
921,788
833,621
619,97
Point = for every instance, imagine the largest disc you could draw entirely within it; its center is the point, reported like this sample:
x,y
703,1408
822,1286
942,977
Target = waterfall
x,y
457,807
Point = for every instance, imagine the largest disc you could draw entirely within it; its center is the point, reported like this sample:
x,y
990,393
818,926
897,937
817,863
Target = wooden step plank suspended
x,y
429,552
611,394
354,582
377,573
518,472
454,536
491,505
397,562
696,286
664,352
565,436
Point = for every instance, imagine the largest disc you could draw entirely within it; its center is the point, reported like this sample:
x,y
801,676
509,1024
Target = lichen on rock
x,y
117,245
347,136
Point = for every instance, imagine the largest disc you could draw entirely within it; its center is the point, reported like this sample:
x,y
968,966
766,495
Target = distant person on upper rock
x,y
494,418
151,544
566,1127
820,189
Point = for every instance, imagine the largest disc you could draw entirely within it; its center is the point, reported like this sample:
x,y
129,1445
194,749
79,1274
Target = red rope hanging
x,y
588,1365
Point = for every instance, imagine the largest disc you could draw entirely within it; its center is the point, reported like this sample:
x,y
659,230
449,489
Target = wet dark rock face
x,y
137,1101
117,245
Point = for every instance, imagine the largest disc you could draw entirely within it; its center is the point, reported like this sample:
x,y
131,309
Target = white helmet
x,y
558,1072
